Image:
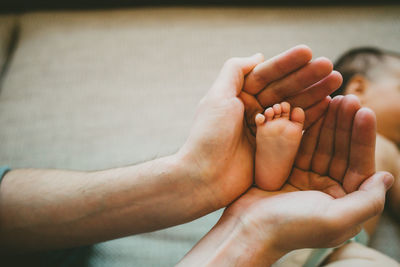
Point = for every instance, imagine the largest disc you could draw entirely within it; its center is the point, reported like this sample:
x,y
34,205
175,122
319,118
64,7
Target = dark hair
x,y
357,61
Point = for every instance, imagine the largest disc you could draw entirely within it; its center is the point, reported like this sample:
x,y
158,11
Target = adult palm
x,y
332,188
338,152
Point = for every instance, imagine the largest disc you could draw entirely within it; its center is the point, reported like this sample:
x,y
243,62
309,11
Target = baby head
x,y
373,75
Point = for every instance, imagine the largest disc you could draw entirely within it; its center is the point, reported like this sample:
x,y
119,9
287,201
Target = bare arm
x,y
233,242
42,209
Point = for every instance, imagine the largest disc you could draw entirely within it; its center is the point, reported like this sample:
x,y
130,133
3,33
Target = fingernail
x,y
388,181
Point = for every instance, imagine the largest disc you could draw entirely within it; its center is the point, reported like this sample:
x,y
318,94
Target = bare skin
x,y
48,209
355,254
279,132
381,93
261,226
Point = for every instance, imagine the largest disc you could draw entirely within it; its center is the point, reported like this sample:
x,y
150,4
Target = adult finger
x,y
276,68
317,92
344,124
362,150
230,80
357,207
252,108
324,150
307,146
315,112
295,82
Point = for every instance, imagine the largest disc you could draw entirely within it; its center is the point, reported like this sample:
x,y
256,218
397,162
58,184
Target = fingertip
x,y
303,51
338,97
366,112
335,80
378,181
336,101
338,76
388,180
303,46
258,56
324,63
352,99
365,120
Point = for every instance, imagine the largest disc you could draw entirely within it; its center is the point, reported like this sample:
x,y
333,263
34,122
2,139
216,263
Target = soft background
x,y
90,90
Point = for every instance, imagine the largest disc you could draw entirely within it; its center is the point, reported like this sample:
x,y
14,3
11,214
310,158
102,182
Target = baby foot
x,y
278,137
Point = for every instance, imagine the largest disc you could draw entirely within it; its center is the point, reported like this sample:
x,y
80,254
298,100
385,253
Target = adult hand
x,y
260,227
336,156
292,219
270,224
293,78
338,152
220,147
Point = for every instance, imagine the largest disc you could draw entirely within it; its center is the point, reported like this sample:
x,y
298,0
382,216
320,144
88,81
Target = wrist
x,y
232,243
257,246
202,175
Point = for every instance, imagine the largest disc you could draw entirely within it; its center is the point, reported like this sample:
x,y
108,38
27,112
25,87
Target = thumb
x,y
230,80
368,201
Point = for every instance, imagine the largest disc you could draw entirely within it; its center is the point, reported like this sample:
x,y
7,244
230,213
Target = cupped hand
x,y
292,219
294,78
332,188
220,147
337,153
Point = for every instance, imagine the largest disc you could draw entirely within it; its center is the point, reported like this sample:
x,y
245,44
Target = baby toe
x,y
277,110
285,106
259,119
297,115
269,113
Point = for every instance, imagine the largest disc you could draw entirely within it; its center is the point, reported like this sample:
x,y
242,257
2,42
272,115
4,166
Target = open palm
x,y
332,187
337,153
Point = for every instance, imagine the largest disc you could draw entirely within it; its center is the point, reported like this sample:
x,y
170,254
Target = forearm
x,y
42,209
229,243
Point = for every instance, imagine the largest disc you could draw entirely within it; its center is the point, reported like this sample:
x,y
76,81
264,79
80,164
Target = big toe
x,y
298,115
